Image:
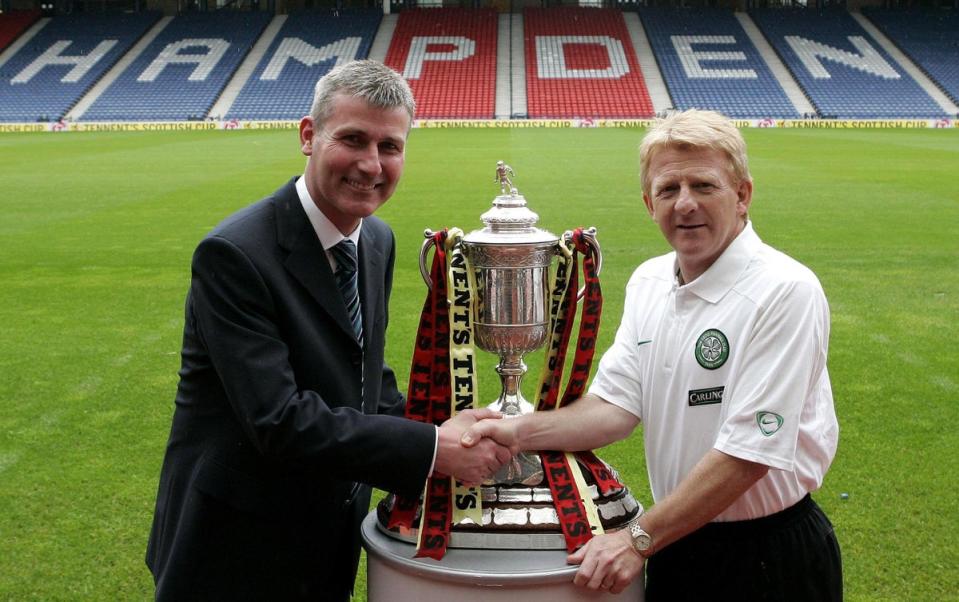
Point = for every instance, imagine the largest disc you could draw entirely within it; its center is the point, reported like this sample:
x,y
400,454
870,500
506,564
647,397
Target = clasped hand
x,y
474,463
607,562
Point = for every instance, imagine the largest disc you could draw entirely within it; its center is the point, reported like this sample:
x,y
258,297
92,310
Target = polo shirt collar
x,y
713,284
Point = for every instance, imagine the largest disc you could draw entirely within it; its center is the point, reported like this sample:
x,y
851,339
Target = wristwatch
x,y
642,541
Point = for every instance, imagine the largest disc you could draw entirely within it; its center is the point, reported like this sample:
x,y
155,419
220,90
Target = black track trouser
x,y
792,555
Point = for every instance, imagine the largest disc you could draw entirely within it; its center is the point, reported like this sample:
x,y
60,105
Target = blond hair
x,y
699,130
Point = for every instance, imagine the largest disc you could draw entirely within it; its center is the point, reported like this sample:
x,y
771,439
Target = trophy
x,y
509,261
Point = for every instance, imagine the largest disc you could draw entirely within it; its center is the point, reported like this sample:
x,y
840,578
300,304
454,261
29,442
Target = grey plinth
x,y
467,575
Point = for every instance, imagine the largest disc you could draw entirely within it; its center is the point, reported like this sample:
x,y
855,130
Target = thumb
x,y
473,434
577,556
483,413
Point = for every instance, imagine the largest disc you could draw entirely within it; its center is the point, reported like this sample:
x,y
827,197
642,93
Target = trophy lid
x,y
509,221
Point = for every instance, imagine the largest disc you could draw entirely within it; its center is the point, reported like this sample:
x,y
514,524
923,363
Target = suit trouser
x,y
792,555
244,557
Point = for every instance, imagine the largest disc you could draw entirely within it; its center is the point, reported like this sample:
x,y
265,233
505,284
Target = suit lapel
x,y
371,276
372,267
307,260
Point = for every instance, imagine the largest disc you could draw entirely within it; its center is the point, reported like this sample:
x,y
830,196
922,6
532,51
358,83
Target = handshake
x,y
474,444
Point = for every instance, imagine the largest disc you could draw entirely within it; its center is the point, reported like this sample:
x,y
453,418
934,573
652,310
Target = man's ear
x,y
649,205
745,193
306,135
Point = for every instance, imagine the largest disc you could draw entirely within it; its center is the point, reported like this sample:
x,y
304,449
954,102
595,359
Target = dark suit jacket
x,y
272,450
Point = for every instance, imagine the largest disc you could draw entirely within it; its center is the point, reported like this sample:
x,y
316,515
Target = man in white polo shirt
x,y
721,354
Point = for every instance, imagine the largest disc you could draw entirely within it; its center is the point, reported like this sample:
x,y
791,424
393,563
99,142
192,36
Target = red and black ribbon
x,y
438,502
566,499
565,315
426,385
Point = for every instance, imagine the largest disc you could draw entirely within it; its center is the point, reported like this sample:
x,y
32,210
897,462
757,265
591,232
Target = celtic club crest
x,y
712,349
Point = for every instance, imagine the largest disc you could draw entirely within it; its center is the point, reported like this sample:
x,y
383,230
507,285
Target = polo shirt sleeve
x,y
782,365
618,379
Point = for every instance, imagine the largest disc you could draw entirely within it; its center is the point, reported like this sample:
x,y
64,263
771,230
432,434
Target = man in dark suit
x,y
286,412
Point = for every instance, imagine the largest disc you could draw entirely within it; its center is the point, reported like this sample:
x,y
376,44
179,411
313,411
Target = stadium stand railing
x,y
929,38
14,23
49,74
843,71
708,62
580,63
309,44
182,72
448,55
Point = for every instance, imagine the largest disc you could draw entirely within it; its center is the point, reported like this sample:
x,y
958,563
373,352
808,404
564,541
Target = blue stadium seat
x,y
308,45
845,73
929,38
708,62
46,77
183,71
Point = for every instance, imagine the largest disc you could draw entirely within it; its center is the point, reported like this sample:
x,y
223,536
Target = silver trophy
x,y
511,258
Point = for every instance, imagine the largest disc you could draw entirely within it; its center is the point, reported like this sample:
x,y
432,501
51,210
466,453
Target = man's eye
x,y
389,147
352,139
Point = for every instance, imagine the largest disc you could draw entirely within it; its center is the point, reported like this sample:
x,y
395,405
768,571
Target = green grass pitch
x,y
96,236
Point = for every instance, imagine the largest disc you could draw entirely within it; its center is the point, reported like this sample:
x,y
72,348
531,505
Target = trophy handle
x,y
589,235
425,271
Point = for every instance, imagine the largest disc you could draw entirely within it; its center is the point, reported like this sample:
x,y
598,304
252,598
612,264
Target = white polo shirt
x,y
736,361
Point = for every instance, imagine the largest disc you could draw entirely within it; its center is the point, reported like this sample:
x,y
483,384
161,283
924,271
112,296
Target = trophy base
x,y
518,517
506,574
525,468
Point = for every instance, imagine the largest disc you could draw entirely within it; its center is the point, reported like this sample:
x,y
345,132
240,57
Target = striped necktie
x,y
346,265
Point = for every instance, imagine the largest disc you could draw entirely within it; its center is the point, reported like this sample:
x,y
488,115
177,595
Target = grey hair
x,y
695,129
372,81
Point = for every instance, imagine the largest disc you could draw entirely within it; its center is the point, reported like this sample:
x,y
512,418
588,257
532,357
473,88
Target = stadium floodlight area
x,y
182,72
448,55
845,73
14,23
580,63
309,44
929,38
48,75
708,62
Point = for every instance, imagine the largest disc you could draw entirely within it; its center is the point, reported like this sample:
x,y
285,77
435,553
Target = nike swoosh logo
x,y
641,343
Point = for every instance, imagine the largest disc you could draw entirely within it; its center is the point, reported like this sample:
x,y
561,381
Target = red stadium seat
x,y
14,23
448,55
580,62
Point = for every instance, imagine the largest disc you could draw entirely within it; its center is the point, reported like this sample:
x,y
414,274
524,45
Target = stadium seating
x,y
844,72
448,55
182,72
708,62
14,23
309,44
46,77
580,62
929,38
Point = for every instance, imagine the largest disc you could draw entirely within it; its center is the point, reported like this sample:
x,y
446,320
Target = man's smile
x,y
360,185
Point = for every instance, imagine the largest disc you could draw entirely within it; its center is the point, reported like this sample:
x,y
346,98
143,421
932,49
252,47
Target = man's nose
x,y
369,161
685,202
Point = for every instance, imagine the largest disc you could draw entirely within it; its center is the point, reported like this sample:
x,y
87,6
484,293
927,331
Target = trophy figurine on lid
x,y
493,289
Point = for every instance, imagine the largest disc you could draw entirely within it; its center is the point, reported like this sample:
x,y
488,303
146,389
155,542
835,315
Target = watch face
x,y
642,541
